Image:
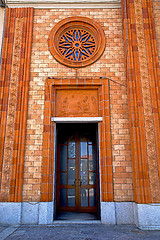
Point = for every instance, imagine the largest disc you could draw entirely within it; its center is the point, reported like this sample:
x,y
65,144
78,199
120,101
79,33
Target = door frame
x,y
73,120
52,85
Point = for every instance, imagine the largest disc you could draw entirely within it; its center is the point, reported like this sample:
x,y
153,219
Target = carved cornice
x,y
65,3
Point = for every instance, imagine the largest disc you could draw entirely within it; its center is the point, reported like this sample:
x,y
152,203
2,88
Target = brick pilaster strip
x,y
105,147
16,182
5,80
154,86
142,192
7,158
48,144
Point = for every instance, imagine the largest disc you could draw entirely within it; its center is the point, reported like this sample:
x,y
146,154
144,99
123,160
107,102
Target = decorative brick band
x,y
11,109
49,134
5,80
16,56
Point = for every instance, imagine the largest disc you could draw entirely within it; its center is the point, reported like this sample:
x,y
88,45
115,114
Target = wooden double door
x,y
77,178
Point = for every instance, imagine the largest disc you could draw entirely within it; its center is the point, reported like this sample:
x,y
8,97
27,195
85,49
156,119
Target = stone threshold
x,y
61,222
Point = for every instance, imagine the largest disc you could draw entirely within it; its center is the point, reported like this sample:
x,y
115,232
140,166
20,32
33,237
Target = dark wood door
x,y
77,174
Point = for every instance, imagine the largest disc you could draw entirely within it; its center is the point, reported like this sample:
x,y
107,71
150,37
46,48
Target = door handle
x,y
80,183
75,181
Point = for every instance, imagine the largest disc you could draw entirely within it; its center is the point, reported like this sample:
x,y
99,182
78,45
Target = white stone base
x,y
108,213
10,213
117,213
26,213
145,216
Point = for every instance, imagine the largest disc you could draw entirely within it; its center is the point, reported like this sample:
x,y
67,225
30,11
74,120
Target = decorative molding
x,y
65,3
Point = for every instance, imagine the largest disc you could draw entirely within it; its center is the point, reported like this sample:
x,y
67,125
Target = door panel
x,y
77,174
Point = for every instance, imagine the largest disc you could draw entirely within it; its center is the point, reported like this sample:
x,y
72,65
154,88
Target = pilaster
x,y
142,69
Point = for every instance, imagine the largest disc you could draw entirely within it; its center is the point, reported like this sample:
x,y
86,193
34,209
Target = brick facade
x,y
128,72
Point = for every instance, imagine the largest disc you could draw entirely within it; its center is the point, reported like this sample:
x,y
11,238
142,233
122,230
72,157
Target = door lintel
x,y
76,119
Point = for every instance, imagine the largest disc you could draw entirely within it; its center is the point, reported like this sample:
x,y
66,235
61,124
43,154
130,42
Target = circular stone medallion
x,y
76,41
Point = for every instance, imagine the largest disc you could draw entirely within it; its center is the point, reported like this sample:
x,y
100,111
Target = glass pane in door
x,y
63,197
84,171
71,171
92,197
92,165
84,197
71,148
63,161
84,161
63,178
83,143
71,197
92,178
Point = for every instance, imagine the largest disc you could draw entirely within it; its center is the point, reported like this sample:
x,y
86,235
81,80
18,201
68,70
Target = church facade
x,y
80,111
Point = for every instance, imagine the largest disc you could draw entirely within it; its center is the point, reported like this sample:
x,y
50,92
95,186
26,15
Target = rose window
x,y
77,45
76,42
